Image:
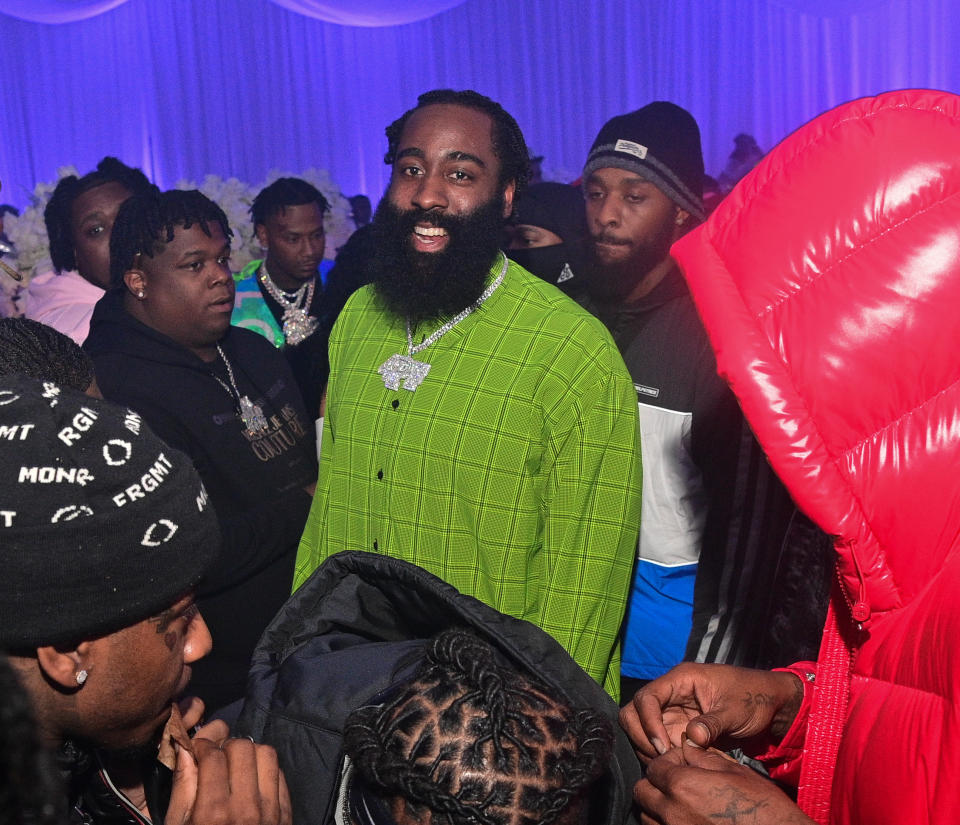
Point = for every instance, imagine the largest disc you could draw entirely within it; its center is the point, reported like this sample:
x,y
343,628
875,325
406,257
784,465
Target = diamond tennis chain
x,y
298,325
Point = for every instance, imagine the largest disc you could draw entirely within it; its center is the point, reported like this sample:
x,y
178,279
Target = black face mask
x,y
554,264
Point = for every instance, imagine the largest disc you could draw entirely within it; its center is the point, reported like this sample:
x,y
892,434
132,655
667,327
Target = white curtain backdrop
x,y
238,87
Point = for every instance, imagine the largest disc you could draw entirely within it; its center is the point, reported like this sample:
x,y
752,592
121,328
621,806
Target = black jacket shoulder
x,y
322,657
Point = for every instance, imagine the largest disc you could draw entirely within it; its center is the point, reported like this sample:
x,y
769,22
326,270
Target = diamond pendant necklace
x,y
298,325
404,370
250,414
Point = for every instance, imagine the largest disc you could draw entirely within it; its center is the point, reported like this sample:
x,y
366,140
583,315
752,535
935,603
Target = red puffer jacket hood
x,y
829,283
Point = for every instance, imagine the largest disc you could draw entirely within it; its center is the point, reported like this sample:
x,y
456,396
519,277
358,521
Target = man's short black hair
x,y
508,143
38,351
146,223
57,212
284,192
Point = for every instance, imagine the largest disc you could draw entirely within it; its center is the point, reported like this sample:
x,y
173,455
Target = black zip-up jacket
x,y
347,634
255,483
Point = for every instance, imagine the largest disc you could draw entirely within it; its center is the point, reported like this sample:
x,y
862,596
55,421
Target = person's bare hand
x,y
690,785
710,704
191,711
228,782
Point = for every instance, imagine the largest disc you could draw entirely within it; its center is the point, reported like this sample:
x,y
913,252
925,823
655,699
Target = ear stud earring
x,y
81,677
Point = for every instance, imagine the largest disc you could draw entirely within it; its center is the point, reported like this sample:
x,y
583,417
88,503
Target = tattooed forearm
x,y
738,807
758,700
788,711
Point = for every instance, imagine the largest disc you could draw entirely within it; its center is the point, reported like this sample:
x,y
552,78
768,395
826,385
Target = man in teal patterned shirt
x,y
478,423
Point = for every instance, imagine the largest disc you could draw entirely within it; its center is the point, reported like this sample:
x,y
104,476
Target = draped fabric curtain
x,y
369,12
344,12
365,12
57,11
834,8
184,88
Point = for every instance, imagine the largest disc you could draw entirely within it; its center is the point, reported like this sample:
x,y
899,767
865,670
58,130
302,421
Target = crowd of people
x,y
544,503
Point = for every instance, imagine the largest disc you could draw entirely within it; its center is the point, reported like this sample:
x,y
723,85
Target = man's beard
x,y
430,286
615,281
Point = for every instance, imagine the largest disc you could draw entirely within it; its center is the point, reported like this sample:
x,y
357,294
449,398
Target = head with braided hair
x,y
470,740
38,351
80,216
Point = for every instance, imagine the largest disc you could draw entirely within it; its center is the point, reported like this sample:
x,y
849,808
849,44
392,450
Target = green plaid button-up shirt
x,y
512,472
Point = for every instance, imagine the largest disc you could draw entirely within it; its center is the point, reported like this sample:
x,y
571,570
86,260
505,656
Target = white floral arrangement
x,y
28,235
235,197
28,232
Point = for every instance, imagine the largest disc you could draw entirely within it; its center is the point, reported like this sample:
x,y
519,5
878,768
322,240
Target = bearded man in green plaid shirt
x,y
478,422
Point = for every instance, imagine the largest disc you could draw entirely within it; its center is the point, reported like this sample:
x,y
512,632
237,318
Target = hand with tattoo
x,y
711,704
695,786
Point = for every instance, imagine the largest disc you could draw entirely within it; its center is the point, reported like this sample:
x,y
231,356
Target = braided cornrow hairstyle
x,y
508,143
57,216
474,743
36,350
145,223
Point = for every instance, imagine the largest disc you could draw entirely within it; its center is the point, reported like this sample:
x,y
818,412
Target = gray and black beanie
x,y
661,144
102,525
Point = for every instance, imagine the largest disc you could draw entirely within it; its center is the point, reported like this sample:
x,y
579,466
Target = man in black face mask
x,y
478,422
548,235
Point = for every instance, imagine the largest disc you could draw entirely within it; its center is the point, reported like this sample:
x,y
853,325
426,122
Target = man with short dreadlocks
x,y
162,344
470,741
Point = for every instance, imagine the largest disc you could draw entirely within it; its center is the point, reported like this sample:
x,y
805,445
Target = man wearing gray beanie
x,y
710,501
104,534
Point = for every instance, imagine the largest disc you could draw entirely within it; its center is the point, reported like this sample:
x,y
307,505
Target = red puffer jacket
x,y
829,282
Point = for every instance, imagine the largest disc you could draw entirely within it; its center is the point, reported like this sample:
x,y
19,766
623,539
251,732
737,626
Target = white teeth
x,y
430,231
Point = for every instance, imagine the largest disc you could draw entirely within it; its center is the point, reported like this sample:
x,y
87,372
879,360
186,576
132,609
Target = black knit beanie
x,y
661,144
102,525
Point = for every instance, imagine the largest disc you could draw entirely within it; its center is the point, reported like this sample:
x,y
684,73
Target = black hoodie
x,y
255,484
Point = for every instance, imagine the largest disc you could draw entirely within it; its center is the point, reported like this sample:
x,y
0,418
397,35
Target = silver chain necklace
x,y
250,414
404,370
298,325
